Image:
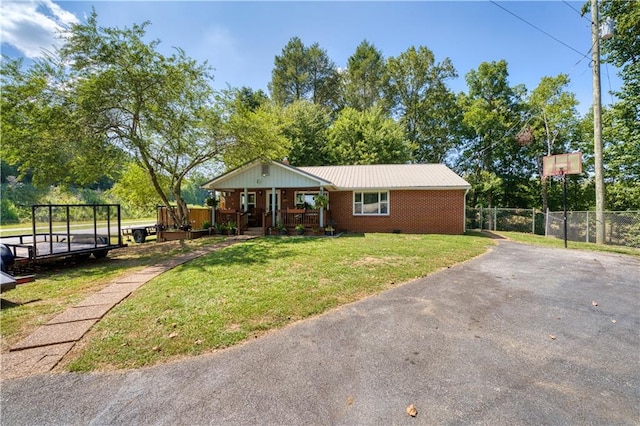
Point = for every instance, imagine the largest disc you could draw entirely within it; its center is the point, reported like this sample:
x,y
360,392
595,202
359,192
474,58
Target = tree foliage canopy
x,y
158,109
109,98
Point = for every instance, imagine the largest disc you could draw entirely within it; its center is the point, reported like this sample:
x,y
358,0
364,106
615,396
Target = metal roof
x,y
390,176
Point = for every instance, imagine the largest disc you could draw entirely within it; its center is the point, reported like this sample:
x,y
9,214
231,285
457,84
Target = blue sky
x,y
240,39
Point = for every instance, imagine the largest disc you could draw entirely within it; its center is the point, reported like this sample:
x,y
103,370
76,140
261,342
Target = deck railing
x,y
290,218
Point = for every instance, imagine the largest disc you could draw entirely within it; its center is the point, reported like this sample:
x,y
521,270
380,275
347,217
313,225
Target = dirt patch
x,y
372,261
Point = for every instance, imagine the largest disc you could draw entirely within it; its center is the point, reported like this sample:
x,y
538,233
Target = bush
x,y
9,212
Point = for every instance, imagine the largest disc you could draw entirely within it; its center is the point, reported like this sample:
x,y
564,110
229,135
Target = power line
x,y
579,13
537,28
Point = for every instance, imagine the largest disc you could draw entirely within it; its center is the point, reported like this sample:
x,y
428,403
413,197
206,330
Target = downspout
x,y
464,216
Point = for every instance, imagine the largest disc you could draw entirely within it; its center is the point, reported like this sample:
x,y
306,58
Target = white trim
x,y
388,203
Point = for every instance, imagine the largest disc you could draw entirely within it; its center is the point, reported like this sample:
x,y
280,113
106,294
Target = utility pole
x,y
597,123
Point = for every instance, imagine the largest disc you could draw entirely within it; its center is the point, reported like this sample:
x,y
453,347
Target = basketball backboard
x,y
562,164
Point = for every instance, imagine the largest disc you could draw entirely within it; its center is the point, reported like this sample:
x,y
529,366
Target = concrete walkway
x,y
43,349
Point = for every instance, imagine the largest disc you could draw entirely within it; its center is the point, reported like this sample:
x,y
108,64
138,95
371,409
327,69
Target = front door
x,y
268,200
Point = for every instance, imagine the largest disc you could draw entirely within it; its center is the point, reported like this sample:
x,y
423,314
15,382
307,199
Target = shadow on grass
x,y
8,304
484,234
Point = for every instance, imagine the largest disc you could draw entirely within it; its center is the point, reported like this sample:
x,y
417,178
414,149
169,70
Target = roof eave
x,y
210,184
405,188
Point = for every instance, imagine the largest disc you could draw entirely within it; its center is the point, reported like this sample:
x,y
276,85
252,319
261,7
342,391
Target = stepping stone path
x,y
43,349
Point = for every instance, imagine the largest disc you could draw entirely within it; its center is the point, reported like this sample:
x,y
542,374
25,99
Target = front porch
x,y
270,195
285,221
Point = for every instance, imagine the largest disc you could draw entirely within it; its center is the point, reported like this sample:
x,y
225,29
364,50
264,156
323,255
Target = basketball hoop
x,y
525,136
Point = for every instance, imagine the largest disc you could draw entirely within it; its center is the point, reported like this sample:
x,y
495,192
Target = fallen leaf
x,y
198,342
552,337
155,348
349,400
172,335
412,411
594,303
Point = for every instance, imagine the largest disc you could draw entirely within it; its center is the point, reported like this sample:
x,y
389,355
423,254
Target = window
x,y
306,199
371,203
251,204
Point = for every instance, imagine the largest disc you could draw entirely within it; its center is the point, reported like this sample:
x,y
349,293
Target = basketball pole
x,y
564,204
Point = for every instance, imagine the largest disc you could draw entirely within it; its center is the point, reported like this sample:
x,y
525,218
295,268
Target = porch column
x,y
273,206
245,208
321,210
213,208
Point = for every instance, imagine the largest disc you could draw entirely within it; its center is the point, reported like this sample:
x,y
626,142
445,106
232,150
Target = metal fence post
x,y
587,226
546,223
533,222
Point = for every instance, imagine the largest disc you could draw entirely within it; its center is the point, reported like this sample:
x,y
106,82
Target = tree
x,y
42,134
554,122
304,73
135,190
621,155
364,77
623,51
255,127
418,96
621,130
367,137
306,126
492,110
157,108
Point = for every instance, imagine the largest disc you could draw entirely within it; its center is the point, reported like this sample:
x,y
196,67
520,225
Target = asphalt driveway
x,y
521,335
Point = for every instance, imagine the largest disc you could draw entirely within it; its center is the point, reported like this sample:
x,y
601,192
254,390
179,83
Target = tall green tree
x,y
42,131
364,77
623,51
554,122
621,159
621,131
254,127
159,109
302,72
418,96
367,137
492,112
306,126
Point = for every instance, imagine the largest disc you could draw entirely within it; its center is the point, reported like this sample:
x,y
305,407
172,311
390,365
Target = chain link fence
x,y
621,228
500,219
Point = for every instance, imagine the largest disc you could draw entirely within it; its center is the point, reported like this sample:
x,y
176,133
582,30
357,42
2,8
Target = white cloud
x,y
33,26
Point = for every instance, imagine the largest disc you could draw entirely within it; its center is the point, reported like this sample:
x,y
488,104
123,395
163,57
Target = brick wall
x,y
410,211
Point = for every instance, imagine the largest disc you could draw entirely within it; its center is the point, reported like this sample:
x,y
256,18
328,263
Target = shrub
x,y
8,212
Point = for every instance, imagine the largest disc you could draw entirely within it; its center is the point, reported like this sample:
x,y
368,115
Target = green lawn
x,y
249,288
62,285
